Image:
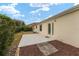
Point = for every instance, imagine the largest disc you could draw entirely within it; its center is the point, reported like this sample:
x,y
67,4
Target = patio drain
x,y
47,37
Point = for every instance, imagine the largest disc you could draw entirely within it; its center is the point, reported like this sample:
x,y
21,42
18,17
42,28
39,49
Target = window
x,y
52,28
49,28
40,27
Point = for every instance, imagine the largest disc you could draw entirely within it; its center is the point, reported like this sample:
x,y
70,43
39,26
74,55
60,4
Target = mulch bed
x,y
63,50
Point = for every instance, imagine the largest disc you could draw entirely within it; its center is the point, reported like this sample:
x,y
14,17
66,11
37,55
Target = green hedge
x,y
23,28
8,27
6,38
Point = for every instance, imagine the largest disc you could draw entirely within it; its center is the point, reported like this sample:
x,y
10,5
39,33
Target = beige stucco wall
x,y
66,28
34,28
45,28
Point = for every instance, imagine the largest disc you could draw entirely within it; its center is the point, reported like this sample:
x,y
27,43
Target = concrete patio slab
x,y
32,39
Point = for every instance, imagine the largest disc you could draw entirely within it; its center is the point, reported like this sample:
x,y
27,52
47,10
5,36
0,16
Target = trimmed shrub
x,y
27,28
6,38
7,30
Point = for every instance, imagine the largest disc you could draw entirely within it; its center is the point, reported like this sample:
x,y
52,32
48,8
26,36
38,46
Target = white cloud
x,y
10,9
76,4
45,9
39,14
13,4
42,7
40,4
18,15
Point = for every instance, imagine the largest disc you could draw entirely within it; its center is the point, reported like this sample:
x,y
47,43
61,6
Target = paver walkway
x,y
63,50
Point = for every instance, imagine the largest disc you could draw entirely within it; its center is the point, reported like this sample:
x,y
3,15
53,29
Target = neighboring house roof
x,y
73,9
33,24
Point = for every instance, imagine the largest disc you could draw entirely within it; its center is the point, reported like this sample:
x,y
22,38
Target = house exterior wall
x,y
66,28
45,28
34,28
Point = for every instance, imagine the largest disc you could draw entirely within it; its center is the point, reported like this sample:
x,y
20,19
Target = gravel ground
x,y
15,43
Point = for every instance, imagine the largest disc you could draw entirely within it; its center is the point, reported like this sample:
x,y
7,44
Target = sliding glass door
x,y
49,28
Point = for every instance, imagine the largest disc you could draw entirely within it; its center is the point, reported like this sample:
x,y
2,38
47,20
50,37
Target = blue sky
x,y
33,12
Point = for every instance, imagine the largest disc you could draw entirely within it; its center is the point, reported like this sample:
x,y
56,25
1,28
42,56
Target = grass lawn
x,y
17,38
